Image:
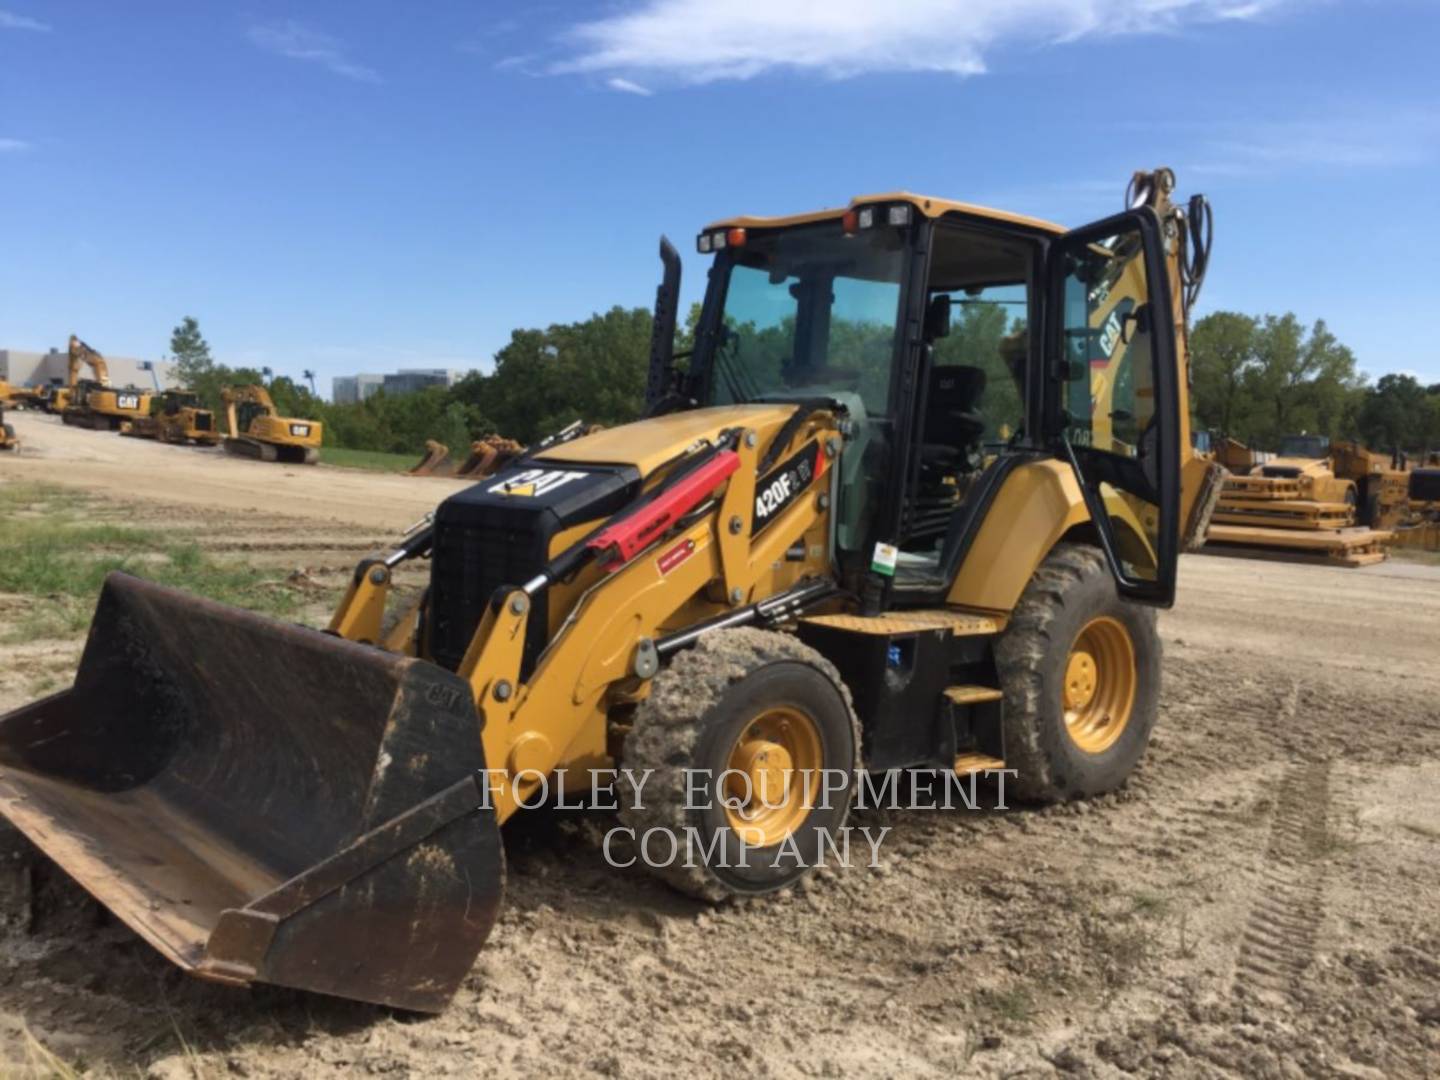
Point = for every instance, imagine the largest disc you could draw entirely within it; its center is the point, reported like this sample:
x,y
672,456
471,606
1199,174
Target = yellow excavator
x,y
746,598
257,430
94,403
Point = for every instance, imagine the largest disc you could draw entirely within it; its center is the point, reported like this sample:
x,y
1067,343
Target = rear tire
x,y
741,696
1080,669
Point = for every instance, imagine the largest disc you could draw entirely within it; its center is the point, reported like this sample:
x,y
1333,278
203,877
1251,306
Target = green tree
x,y
194,365
1397,413
546,379
1222,350
1300,381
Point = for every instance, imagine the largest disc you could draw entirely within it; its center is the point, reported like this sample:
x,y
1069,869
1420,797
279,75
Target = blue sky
x,y
365,185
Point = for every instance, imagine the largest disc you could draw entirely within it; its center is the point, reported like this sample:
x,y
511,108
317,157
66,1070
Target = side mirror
x,y
937,317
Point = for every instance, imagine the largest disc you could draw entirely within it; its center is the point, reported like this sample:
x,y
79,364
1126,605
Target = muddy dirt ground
x,y
1263,898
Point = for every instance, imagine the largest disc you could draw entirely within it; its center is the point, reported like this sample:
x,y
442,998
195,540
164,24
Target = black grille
x,y
488,536
1425,485
204,421
468,563
1280,472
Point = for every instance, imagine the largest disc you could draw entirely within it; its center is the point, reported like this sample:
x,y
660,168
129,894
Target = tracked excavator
x,y
94,403
746,593
257,430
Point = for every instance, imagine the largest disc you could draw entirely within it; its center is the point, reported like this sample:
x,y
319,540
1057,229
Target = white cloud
x,y
699,41
13,146
1381,136
11,21
625,86
298,42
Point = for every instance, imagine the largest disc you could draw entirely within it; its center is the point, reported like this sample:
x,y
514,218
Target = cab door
x,y
1111,401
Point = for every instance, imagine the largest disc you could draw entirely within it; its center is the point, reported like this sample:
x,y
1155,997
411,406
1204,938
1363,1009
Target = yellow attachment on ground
x,y
435,462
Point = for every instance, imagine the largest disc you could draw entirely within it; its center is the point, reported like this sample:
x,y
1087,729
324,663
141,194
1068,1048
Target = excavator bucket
x,y
263,802
436,461
480,461
489,455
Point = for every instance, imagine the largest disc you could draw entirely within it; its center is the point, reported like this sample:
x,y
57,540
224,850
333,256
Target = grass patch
x,y
1014,1005
1151,904
48,550
374,460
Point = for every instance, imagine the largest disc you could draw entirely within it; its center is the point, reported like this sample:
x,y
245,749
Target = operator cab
x,y
924,324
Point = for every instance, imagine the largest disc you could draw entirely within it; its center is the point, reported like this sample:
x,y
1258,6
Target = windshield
x,y
810,312
1304,446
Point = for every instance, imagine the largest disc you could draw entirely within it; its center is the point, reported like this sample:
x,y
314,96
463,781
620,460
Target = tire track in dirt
x,y
1279,941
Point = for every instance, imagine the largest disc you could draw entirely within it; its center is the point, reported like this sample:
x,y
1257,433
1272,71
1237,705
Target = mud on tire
x,y
1070,588
698,707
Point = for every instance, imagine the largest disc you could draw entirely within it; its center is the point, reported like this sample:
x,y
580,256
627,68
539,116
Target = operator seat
x,y
953,424
950,446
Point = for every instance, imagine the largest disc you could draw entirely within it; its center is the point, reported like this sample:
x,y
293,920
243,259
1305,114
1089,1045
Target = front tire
x,y
754,746
1080,670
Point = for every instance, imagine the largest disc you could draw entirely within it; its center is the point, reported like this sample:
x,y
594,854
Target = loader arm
x,y
557,717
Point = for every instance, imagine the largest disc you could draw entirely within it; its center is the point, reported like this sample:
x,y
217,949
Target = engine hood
x,y
648,444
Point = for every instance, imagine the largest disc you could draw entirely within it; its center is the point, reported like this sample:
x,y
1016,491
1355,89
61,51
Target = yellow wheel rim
x,y
1100,679
772,776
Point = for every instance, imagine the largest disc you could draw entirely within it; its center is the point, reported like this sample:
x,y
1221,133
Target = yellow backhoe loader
x,y
257,430
177,417
94,403
747,597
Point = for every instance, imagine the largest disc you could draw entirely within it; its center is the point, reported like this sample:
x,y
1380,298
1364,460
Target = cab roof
x,y
925,204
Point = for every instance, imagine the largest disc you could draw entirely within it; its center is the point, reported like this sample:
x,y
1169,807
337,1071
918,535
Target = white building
x,y
349,389
21,367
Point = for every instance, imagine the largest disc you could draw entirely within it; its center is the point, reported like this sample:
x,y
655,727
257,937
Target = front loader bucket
x,y
263,802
